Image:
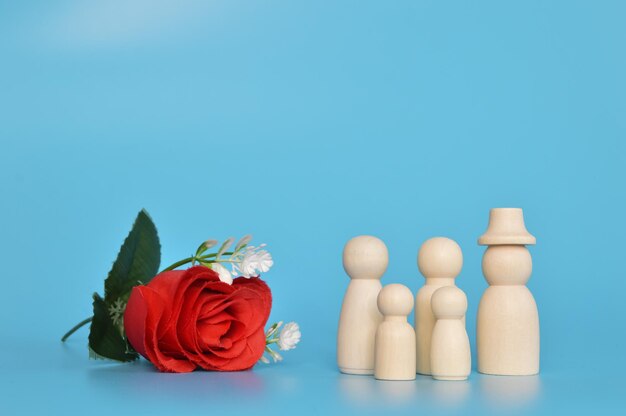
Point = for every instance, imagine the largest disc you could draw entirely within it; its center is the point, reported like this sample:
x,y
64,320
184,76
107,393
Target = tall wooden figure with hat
x,y
507,326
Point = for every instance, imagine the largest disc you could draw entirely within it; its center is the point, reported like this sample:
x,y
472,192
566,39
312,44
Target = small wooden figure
x,y
365,260
440,260
507,327
450,356
395,337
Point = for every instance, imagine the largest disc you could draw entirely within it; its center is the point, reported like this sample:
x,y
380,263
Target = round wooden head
x,y
449,302
365,257
395,300
507,265
440,257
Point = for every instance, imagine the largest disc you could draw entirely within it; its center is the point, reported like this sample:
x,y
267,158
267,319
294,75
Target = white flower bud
x,y
223,273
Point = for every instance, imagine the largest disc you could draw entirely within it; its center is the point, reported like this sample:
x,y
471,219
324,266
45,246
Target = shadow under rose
x,y
142,379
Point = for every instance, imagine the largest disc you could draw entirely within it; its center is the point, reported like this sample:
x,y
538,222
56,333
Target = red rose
x,y
184,319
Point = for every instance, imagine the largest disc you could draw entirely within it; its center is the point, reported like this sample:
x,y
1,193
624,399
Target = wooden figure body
x,y
507,326
440,260
450,355
395,337
365,260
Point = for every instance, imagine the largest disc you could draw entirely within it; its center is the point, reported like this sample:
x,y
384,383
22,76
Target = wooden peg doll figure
x,y
395,337
365,260
507,326
440,260
450,356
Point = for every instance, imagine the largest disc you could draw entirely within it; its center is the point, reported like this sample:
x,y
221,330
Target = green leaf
x,y
105,339
137,262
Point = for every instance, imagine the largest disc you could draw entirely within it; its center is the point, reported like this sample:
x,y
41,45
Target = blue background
x,y
305,124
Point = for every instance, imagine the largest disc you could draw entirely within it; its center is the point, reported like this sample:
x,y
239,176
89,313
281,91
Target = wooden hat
x,y
506,226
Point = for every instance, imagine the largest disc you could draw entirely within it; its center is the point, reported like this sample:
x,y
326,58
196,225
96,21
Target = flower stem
x,y
191,259
76,328
178,264
208,256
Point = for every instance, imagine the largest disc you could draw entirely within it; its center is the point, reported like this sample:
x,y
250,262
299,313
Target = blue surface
x,y
306,124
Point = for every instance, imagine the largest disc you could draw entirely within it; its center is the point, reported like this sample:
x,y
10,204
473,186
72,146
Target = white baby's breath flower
x,y
254,260
289,336
223,273
225,246
287,339
244,241
210,243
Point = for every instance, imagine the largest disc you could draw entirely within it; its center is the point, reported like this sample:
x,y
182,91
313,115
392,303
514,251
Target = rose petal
x,y
144,311
254,347
210,333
